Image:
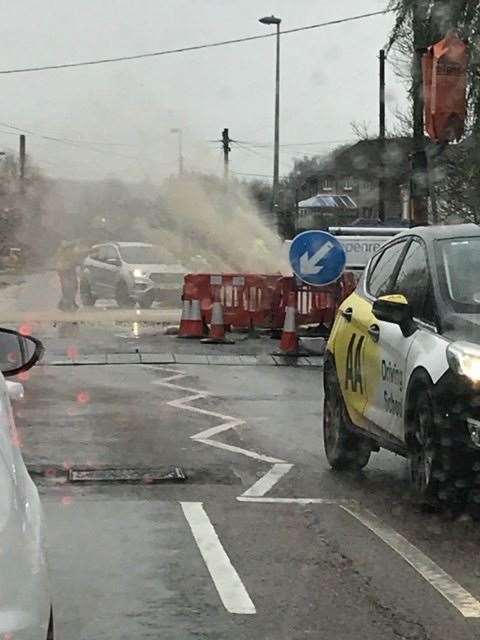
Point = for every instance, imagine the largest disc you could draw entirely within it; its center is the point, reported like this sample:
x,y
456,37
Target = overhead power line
x,y
249,149
153,54
65,141
253,175
263,145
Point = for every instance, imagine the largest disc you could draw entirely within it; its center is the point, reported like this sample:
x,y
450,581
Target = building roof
x,y
327,201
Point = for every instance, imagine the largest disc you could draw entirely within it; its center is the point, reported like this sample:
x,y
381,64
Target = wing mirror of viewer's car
x,y
396,310
17,352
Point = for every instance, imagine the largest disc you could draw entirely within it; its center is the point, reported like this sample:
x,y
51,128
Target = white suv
x,y
129,272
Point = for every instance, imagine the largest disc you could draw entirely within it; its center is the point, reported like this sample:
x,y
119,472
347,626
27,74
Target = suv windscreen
x,y
142,255
459,262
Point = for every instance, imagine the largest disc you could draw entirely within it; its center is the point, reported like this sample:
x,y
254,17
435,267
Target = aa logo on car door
x,y
353,366
348,342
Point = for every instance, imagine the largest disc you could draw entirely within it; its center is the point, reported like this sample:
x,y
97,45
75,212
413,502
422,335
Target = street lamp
x,y
180,154
276,149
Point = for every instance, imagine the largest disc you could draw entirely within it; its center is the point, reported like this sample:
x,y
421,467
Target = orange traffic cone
x,y
289,341
191,324
217,325
183,330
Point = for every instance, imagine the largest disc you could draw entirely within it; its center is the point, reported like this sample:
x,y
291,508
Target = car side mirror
x,y
17,352
396,310
115,262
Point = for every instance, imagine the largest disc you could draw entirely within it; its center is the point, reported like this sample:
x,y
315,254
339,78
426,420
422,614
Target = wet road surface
x,y
262,540
125,560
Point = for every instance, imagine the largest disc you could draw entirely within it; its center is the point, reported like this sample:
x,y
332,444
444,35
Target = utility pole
x,y
272,20
180,150
276,154
381,181
419,182
226,150
23,153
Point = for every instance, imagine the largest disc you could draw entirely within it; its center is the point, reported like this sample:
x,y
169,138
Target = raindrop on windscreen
x,y
83,397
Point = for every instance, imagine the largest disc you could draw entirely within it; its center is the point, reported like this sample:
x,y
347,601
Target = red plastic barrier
x,y
315,305
247,299
252,300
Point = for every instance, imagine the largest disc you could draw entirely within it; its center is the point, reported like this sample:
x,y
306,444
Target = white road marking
x,y
244,452
468,606
267,500
228,422
268,481
230,588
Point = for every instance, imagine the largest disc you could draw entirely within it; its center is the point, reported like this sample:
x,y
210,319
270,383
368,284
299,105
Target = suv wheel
x,y
122,295
438,456
146,301
344,449
86,295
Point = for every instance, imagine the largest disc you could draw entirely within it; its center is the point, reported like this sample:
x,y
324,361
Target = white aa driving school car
x,y
402,366
25,602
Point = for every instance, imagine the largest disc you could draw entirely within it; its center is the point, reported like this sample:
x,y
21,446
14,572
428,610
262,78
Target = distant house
x,y
323,210
353,172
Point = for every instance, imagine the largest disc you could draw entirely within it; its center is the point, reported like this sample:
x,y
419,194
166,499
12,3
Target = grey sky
x,y
329,78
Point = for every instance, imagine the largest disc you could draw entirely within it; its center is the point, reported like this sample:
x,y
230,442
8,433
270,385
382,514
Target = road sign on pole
x,y
317,257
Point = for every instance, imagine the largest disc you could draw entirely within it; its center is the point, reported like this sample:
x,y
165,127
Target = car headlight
x,y
464,358
138,273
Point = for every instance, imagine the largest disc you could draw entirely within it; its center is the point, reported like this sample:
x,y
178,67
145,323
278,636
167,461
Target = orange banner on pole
x,y
444,69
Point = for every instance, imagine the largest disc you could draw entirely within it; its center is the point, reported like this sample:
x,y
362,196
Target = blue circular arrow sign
x,y
317,257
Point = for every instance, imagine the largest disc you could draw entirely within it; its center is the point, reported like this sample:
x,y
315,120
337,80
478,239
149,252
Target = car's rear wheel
x,y
122,295
86,295
343,448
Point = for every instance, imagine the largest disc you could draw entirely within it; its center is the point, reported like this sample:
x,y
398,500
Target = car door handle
x,y
374,331
347,313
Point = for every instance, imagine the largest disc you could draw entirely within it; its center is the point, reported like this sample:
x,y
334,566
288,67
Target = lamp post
x,y
276,149
180,152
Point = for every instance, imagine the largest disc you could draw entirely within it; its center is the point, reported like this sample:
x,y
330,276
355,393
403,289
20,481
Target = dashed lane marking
x,y
267,481
230,588
205,437
302,501
468,606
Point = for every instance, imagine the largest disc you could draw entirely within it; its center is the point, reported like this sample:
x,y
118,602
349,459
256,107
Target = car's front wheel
x,y
122,295
424,456
438,456
344,449
146,301
86,294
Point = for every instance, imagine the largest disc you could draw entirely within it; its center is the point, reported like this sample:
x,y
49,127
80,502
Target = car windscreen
x,y
143,255
459,262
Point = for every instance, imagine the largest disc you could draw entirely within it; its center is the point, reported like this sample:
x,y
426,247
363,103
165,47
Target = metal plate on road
x,y
317,257
146,476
